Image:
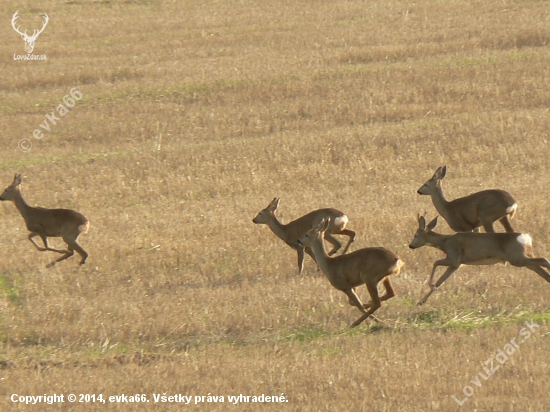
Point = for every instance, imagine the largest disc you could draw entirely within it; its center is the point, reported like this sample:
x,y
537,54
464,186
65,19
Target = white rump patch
x,y
525,240
341,220
512,209
399,264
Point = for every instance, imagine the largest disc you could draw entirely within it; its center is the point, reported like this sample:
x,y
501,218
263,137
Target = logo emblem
x,y
29,40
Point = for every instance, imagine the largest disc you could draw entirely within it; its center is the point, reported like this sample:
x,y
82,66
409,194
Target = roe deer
x,y
290,232
45,223
468,213
366,266
477,249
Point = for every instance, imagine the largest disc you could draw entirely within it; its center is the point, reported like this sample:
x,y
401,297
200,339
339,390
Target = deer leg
x,y
540,271
353,302
350,234
300,251
335,243
525,261
45,241
443,278
310,253
350,300
539,262
487,224
68,254
388,295
365,305
450,270
74,245
375,304
437,263
425,298
31,236
506,223
301,255
430,283
354,299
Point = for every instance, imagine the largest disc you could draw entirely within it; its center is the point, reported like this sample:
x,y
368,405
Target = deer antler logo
x,y
29,40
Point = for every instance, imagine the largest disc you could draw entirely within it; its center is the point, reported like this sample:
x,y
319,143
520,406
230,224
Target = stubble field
x,y
194,115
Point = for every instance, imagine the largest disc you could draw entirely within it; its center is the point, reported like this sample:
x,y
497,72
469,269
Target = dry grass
x,y
194,117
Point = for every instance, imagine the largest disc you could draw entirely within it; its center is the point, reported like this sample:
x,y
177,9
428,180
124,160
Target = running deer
x,y
476,249
366,266
45,223
468,213
290,232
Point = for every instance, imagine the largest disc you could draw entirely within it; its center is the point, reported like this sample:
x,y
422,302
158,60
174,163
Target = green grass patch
x,y
306,334
9,290
473,319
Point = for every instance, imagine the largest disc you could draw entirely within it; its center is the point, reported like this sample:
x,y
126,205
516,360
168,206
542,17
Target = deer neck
x,y
22,206
278,228
440,203
436,240
321,256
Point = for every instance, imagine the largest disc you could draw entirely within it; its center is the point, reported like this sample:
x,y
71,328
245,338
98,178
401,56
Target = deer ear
x,y
274,204
443,172
432,224
421,222
17,179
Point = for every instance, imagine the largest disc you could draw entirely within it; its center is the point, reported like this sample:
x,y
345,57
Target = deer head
x,y
314,233
29,40
12,191
268,213
421,237
434,183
